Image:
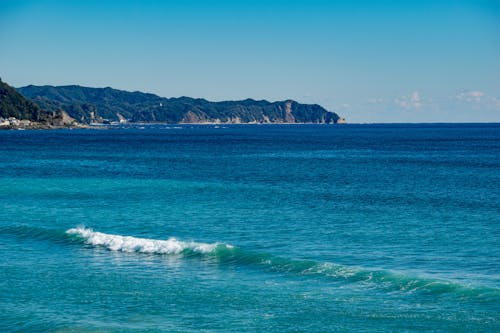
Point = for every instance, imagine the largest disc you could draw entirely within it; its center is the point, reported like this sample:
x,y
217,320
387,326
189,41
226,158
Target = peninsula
x,y
55,106
18,112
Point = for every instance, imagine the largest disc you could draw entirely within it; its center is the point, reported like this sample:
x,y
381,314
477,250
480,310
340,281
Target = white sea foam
x,y
142,245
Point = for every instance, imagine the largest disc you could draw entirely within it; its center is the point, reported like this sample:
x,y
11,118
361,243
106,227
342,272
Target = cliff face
x,y
90,105
18,112
14,105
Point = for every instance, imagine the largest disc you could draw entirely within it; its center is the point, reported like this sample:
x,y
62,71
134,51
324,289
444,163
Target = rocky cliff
x,y
98,105
18,112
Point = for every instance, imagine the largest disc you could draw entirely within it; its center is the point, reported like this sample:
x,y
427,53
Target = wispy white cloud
x,y
376,101
471,96
412,101
497,102
459,106
476,100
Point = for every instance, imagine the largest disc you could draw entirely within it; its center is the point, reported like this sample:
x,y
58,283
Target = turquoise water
x,y
360,228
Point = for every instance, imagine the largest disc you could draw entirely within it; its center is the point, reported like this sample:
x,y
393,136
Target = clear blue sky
x,y
370,61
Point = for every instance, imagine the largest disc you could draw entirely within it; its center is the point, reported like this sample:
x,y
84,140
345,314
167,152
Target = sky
x,y
369,61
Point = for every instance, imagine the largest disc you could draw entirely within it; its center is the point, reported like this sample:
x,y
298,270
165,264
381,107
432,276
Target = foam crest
x,y
142,245
227,254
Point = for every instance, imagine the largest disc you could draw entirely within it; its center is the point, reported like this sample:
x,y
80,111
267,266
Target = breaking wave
x,y
142,245
226,254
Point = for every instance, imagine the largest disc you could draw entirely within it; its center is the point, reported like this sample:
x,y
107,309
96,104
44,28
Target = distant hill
x,y
95,105
17,112
13,104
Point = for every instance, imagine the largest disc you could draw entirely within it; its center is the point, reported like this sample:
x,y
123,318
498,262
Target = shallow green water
x,y
370,228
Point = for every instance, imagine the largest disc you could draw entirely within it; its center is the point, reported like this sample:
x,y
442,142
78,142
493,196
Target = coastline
x,y
41,126
29,125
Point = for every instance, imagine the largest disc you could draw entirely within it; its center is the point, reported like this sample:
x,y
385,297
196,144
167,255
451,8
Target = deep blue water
x,y
355,228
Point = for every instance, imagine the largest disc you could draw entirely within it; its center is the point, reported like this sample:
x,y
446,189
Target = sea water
x,y
307,228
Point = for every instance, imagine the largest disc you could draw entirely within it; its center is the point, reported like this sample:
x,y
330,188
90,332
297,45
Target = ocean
x,y
251,228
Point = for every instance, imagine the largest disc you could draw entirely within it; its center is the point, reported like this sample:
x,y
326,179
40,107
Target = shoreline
x,y
41,126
